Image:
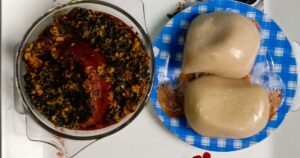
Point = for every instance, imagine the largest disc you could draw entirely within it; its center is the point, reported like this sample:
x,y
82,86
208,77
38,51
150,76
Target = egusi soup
x,y
87,70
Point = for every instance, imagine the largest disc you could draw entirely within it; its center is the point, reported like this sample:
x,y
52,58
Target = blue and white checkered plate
x,y
275,68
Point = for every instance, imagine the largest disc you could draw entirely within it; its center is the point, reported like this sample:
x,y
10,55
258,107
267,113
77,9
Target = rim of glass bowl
x,y
76,134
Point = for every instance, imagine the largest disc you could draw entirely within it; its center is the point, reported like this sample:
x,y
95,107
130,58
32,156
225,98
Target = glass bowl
x,y
32,34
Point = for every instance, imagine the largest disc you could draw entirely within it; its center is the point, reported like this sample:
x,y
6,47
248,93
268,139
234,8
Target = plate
x,y
275,50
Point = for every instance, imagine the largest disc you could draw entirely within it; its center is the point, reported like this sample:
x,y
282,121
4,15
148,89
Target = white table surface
x,y
145,137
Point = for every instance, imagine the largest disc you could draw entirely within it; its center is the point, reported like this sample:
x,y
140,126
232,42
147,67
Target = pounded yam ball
x,y
226,108
221,43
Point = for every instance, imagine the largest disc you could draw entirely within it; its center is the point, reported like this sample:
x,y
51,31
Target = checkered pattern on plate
x,y
169,48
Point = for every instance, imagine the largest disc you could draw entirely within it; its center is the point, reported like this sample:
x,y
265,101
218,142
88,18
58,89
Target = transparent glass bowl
x,y
33,33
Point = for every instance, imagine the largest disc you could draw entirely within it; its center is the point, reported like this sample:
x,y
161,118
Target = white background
x,y
145,137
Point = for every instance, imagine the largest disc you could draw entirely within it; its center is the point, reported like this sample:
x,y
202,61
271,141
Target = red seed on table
x,y
197,156
206,155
